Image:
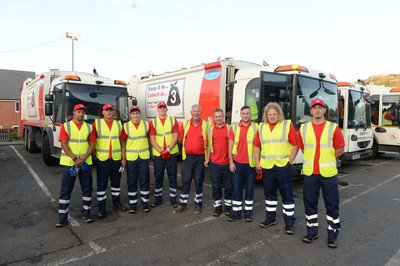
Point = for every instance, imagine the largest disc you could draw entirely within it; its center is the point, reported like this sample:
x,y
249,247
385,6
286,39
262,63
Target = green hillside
x,y
392,80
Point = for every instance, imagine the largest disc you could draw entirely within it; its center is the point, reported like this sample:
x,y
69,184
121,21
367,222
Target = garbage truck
x,y
48,101
229,84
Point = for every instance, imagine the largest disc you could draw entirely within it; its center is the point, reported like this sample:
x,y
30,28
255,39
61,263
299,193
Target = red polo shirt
x,y
242,151
194,142
338,142
220,138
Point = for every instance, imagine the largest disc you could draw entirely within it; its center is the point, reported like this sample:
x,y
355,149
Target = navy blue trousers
x,y
330,193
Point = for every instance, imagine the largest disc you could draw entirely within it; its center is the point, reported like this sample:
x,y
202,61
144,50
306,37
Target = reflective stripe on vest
x,y
204,128
105,137
164,131
251,134
275,145
77,142
137,143
327,159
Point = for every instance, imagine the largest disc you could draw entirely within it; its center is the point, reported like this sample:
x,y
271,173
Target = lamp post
x,y
74,38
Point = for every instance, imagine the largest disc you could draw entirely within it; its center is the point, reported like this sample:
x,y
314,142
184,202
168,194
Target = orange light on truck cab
x,y
72,77
41,76
291,68
119,82
343,83
395,90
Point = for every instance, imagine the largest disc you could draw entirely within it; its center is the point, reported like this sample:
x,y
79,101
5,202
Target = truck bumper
x,y
351,156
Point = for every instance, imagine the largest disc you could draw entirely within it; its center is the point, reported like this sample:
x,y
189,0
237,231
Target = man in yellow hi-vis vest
x,y
322,143
242,165
109,159
164,133
193,155
77,143
277,140
135,149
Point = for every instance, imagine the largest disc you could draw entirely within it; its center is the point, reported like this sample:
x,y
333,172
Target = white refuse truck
x,y
229,84
48,101
385,118
355,121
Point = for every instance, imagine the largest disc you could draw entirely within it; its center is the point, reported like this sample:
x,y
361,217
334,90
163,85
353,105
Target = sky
x,y
352,39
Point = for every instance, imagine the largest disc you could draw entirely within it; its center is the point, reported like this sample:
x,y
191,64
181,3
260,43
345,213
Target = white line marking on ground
x,y
96,247
73,222
395,260
33,173
230,258
369,190
397,199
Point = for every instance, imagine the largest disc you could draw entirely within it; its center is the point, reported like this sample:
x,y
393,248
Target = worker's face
x,y
162,111
272,116
245,114
135,116
79,114
108,114
318,111
195,112
218,118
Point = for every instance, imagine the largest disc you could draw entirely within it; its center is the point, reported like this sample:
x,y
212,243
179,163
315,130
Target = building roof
x,y
11,83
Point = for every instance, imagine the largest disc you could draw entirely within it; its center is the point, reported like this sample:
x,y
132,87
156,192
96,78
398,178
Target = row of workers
x,y
233,154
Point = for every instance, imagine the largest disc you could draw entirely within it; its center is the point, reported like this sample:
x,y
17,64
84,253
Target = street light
x,y
73,37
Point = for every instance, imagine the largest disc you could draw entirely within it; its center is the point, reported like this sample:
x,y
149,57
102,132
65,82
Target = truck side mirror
x,y
49,97
48,108
134,101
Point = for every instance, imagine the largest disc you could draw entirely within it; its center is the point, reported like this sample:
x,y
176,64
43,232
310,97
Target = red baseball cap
x,y
134,108
107,106
79,106
317,101
161,104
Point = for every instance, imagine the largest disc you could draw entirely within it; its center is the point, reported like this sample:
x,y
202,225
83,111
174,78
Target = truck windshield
x,y
94,97
309,89
358,110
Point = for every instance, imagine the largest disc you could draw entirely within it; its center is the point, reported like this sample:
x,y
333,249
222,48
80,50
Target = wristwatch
x,y
74,159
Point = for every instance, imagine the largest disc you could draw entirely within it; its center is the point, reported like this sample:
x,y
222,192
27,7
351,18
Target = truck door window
x,y
390,108
276,88
252,98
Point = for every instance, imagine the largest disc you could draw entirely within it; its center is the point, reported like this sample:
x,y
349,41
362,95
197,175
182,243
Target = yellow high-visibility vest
x,y
78,142
204,128
137,144
105,136
164,131
251,134
275,145
327,159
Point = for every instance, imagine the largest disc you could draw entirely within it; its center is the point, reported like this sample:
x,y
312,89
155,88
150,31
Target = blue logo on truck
x,y
212,74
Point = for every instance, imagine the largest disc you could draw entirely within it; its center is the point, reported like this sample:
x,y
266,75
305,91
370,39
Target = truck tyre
x,y
32,148
26,139
46,153
374,150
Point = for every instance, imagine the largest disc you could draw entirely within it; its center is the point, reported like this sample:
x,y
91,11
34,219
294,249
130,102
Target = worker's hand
x,y
164,154
259,175
206,162
232,167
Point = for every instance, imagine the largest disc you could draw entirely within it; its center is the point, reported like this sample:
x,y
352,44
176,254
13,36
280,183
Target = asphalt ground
x,y
369,212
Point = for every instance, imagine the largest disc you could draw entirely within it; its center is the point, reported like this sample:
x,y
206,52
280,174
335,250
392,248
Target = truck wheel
x,y
32,148
374,150
26,139
46,153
